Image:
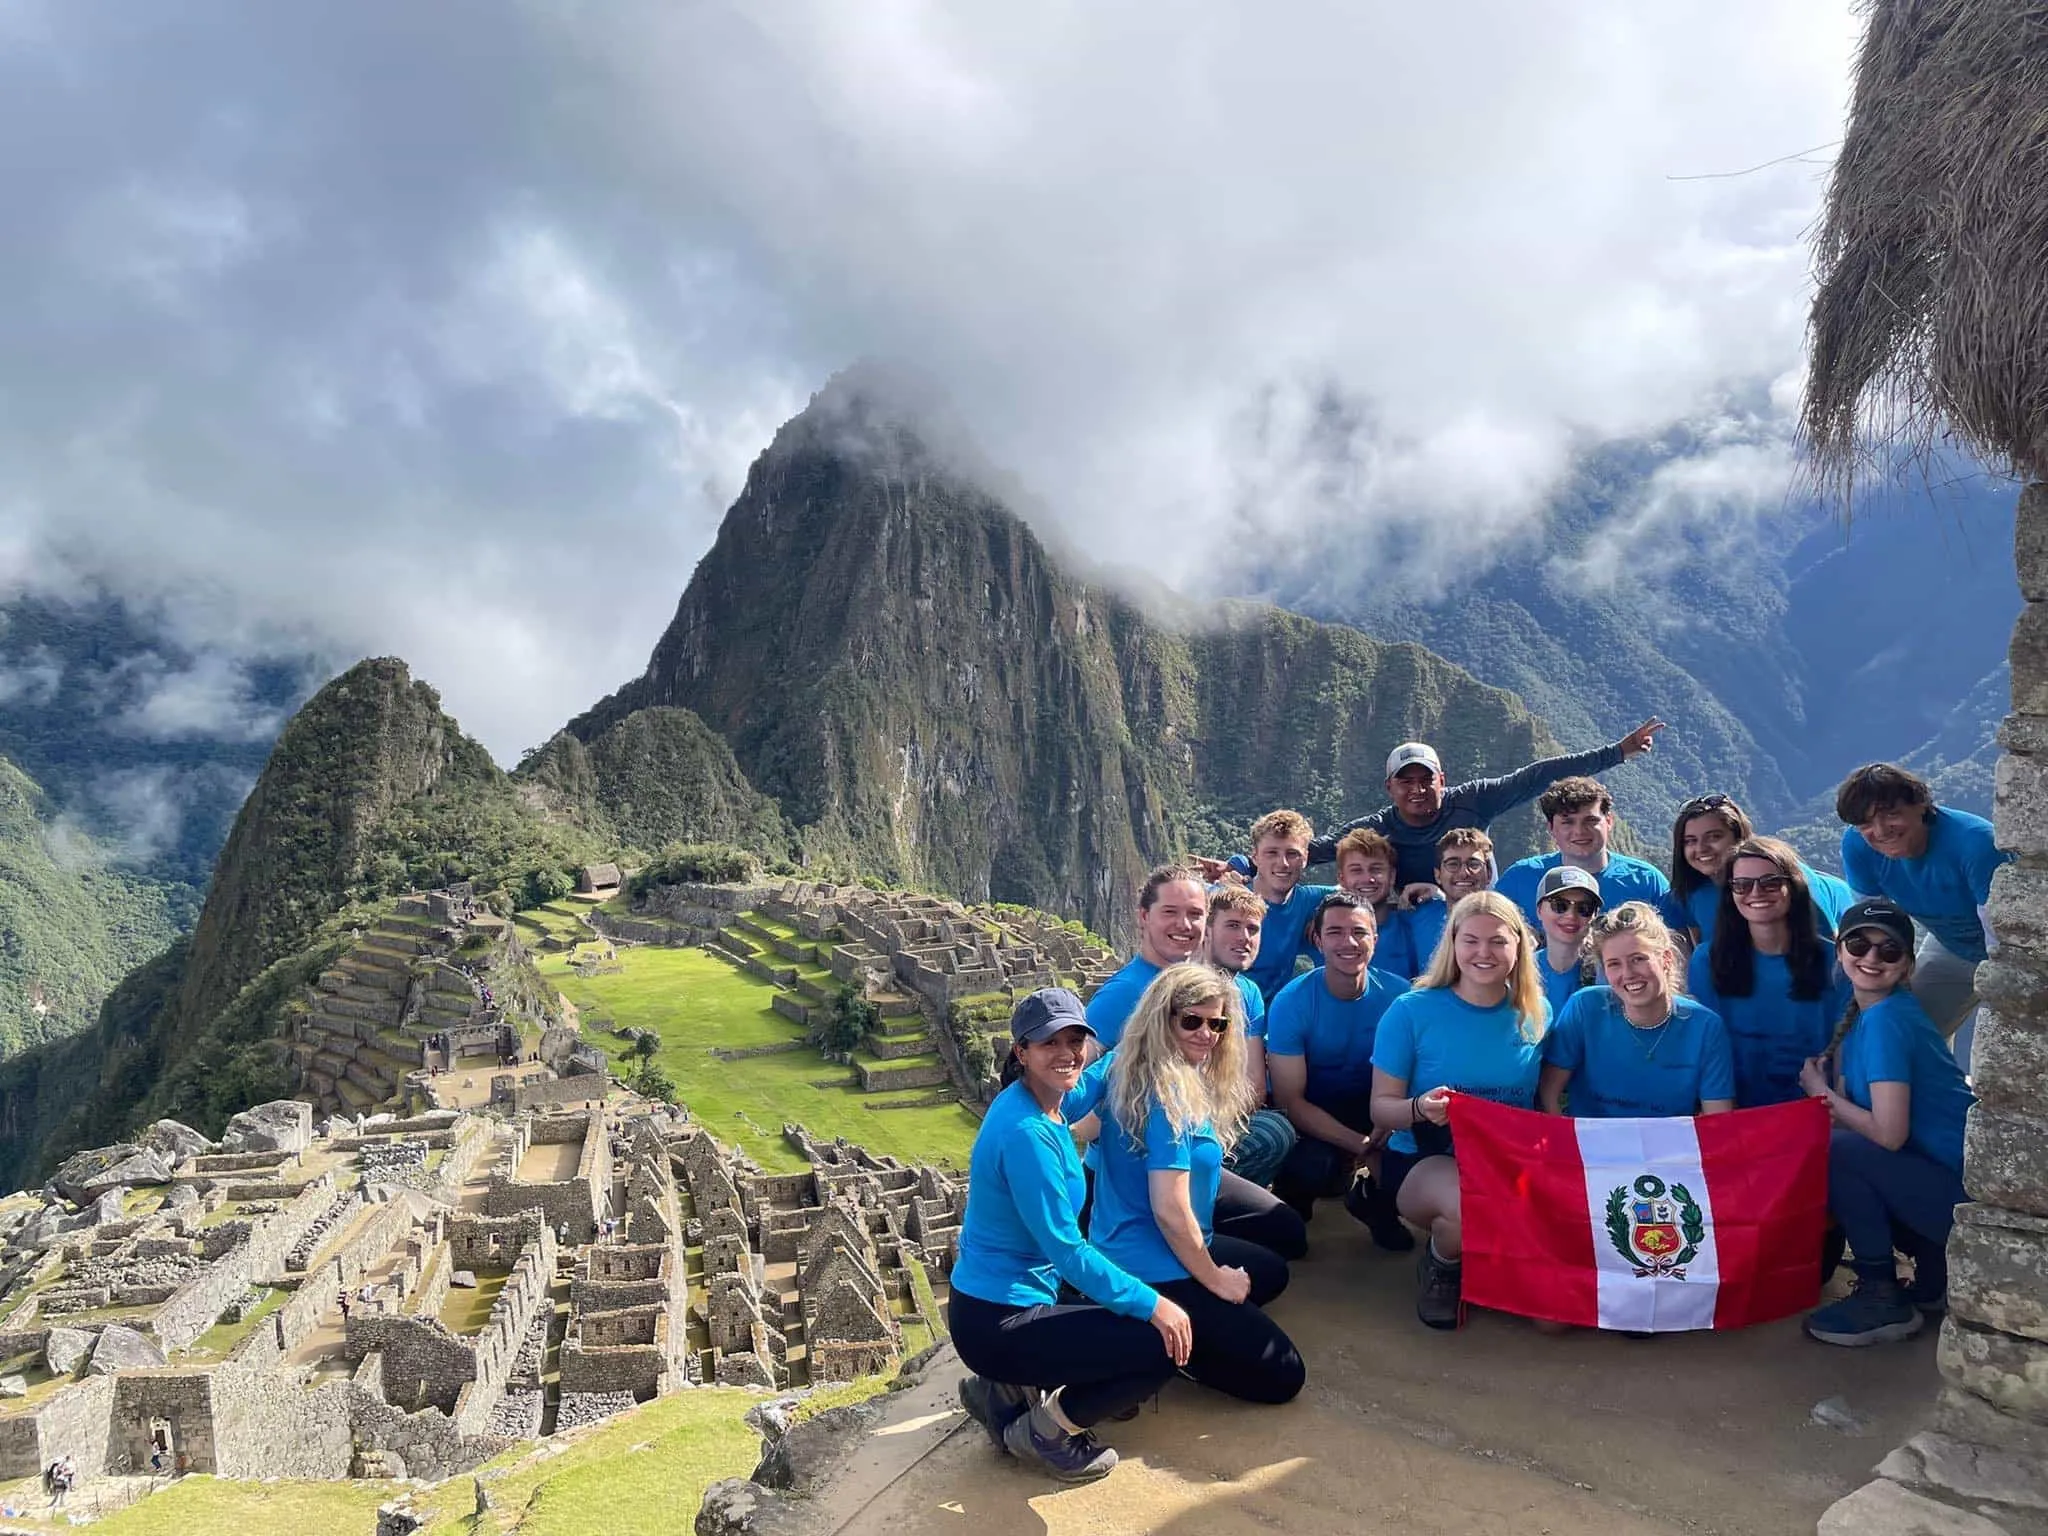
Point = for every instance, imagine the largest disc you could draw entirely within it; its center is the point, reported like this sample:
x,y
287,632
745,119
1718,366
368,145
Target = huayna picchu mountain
x,y
931,695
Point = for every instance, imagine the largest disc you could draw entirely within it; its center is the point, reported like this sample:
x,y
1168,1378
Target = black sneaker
x,y
1081,1458
1876,1312
1367,1201
1438,1292
992,1404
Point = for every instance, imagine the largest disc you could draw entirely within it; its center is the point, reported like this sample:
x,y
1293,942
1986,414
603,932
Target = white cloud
x,y
449,331
211,699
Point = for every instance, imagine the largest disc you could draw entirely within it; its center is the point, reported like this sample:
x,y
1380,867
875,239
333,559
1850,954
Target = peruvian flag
x,y
1646,1225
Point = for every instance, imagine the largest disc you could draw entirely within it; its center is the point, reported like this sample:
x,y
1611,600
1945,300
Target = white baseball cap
x,y
1411,752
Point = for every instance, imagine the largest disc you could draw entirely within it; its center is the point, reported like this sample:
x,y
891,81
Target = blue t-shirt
x,y
1395,951
1117,999
1254,1007
1895,1042
1284,938
1620,1072
1334,1036
1624,879
1432,1038
1426,925
1020,1236
1120,1223
1558,986
1944,887
1831,898
1770,1032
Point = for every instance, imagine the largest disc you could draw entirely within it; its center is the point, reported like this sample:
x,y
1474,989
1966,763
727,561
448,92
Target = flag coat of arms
x,y
1712,1221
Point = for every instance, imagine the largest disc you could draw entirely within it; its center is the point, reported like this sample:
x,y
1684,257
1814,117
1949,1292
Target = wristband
x,y
1415,1111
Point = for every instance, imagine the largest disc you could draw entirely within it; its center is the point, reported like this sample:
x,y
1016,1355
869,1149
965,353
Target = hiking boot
x,y
1035,1436
1438,1291
992,1404
1876,1312
1367,1201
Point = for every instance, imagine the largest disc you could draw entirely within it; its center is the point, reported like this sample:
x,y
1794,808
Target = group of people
x,y
1141,1184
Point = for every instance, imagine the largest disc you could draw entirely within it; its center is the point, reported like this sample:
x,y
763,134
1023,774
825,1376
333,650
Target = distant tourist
x,y
1580,815
342,1300
1895,1163
63,1477
1464,864
1702,840
1423,810
1046,1373
1236,928
1769,972
1635,1047
1567,902
1936,864
1173,908
1319,1043
1473,1024
1171,1097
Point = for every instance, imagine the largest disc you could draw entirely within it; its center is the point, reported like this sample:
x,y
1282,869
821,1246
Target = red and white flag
x,y
1646,1225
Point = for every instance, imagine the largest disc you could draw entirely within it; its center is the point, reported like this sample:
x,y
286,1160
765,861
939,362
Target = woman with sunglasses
x,y
1567,902
1636,1048
1045,1373
1769,972
1702,840
1474,1024
1174,1097
1895,1163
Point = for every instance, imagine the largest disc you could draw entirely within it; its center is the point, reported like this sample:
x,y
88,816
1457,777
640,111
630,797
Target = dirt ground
x,y
1495,1428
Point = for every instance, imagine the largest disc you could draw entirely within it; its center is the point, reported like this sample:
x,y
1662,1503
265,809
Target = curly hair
x,y
1148,1068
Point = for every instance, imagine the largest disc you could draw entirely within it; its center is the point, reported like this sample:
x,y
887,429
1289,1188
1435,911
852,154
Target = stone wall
x,y
197,1304
547,1092
275,1236
183,1400
266,1425
75,1423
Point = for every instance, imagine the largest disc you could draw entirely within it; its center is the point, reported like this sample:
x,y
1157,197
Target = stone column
x,y
1984,1466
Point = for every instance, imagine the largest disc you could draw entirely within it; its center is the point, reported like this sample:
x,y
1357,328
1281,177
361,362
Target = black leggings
x,y
1105,1361
1250,1214
1315,1170
1238,1349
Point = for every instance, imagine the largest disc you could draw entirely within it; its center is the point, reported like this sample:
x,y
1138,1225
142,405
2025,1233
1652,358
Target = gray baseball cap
x,y
1568,877
1042,1014
1410,753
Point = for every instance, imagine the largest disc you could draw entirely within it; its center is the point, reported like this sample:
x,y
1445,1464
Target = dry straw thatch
x,y
1932,255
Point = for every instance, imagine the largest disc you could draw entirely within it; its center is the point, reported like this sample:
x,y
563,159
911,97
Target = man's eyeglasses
x,y
1767,885
1889,951
1216,1024
1699,805
1572,904
1462,866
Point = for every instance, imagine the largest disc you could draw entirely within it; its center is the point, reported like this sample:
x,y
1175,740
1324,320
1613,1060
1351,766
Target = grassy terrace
x,y
698,1003
215,1343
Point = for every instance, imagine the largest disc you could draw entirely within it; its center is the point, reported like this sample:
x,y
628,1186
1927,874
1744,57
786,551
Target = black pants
x,y
1238,1349
1106,1362
1246,1213
1315,1170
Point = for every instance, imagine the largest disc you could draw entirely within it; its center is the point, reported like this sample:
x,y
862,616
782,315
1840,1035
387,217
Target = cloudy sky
x,y
448,330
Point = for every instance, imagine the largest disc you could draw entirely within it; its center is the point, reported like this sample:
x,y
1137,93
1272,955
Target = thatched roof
x,y
1932,255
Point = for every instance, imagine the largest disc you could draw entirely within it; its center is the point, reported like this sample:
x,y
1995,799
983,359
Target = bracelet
x,y
1415,1111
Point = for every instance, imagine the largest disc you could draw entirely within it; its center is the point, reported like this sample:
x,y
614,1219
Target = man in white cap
x,y
1423,810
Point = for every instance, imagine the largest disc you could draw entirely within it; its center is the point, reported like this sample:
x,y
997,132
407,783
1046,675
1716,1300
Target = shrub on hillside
x,y
696,863
853,1018
542,884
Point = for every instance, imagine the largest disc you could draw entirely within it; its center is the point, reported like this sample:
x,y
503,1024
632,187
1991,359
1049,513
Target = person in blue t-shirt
x,y
1365,868
1175,1094
1580,815
1769,973
1319,1038
1895,1161
1018,1240
1237,920
1704,835
1279,841
1474,1024
1636,1048
1464,864
1567,901
1933,862
1173,910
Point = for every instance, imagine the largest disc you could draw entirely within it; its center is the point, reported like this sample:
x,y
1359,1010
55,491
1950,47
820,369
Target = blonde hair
x,y
1366,843
1148,1068
1291,825
1525,986
1237,898
1640,919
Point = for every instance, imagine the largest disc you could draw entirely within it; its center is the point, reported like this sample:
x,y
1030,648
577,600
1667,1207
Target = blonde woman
x,y
1636,1048
1175,1097
1474,1024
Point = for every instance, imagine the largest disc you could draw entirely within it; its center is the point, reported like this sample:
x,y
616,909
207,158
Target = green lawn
x,y
215,1343
206,1506
698,1003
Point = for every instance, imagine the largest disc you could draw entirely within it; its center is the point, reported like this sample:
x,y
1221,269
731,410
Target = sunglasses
x,y
1699,805
1563,904
1889,951
1216,1024
1742,885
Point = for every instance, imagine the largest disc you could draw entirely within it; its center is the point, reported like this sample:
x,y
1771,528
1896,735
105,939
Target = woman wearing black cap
x,y
1895,1164
1021,1237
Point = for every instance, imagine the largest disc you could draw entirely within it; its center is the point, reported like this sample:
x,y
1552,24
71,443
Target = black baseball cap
x,y
1885,916
1040,1015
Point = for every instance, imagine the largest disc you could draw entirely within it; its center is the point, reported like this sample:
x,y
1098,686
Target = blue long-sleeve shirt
x,y
1021,1235
1475,803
